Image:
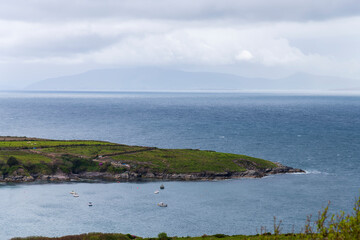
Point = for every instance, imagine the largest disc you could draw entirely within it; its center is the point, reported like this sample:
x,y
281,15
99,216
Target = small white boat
x,y
90,204
76,195
72,192
156,192
161,204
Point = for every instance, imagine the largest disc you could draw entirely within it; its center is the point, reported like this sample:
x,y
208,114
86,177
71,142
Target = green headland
x,y
25,159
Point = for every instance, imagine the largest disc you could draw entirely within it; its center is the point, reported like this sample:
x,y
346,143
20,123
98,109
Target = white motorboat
x,y
76,195
156,192
161,204
90,204
72,192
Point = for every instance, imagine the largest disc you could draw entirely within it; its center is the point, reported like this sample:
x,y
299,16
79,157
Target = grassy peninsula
x,y
28,159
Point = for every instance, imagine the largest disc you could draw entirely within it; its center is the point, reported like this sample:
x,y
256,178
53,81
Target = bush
x,y
12,161
115,170
163,236
104,167
73,164
38,168
219,235
339,226
5,170
130,236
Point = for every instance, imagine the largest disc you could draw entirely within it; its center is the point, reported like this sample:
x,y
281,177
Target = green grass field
x,y
39,144
189,161
91,151
24,157
87,156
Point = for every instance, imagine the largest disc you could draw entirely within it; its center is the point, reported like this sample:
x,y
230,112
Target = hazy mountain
x,y
152,79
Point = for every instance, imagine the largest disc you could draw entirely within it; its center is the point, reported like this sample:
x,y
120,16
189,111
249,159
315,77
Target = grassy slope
x,y
187,160
92,151
78,156
23,156
40,143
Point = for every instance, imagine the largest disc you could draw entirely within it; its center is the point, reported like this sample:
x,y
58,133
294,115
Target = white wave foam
x,y
314,172
299,173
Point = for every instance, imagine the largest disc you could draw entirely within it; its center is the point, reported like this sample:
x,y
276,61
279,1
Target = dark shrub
x,y
163,236
130,236
65,169
38,168
219,235
5,170
104,167
12,161
115,170
76,164
31,168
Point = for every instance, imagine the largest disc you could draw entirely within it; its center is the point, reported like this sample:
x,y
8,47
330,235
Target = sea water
x,y
320,134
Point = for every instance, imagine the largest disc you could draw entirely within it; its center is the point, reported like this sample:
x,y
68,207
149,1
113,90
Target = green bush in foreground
x,y
163,236
335,227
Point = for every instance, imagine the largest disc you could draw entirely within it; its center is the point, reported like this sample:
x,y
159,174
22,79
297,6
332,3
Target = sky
x,y
41,39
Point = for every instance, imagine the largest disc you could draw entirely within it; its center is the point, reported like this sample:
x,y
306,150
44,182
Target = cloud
x,y
156,42
244,55
254,10
249,37
211,46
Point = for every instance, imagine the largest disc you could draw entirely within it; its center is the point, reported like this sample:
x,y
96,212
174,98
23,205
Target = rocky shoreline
x,y
18,177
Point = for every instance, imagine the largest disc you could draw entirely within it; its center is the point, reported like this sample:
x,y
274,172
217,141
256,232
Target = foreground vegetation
x,y
32,157
339,226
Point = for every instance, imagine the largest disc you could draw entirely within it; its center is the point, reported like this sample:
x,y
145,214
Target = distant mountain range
x,y
158,79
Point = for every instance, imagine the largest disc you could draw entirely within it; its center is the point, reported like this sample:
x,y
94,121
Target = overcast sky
x,y
258,38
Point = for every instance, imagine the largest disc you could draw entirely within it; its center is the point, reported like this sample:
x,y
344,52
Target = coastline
x,y
131,176
24,159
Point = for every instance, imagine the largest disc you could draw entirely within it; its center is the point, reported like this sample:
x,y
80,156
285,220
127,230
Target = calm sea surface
x,y
320,134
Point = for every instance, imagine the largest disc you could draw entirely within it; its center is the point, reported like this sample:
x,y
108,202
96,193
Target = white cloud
x,y
138,42
211,46
244,55
210,35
